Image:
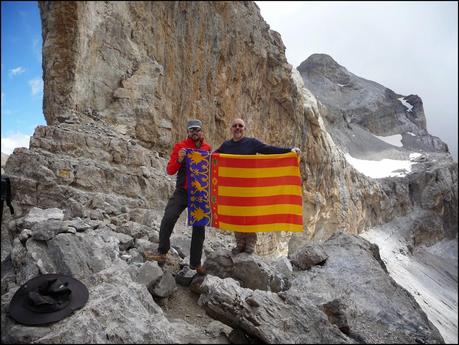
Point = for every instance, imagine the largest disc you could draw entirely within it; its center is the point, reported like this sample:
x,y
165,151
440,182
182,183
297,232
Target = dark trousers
x,y
175,206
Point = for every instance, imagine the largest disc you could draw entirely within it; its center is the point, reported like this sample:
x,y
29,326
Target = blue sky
x,y
21,73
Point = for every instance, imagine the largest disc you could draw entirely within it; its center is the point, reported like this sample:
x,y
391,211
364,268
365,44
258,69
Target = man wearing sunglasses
x,y
179,200
242,145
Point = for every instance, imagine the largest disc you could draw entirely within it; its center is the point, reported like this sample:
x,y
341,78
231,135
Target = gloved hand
x,y
296,150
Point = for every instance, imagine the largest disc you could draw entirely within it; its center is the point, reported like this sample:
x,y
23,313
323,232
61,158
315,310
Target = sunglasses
x,y
236,125
194,129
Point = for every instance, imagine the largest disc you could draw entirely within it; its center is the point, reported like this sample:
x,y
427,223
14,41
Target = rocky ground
x,y
183,305
429,273
323,299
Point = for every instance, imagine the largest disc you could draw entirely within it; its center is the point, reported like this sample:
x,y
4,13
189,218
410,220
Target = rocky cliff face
x,y
121,80
145,68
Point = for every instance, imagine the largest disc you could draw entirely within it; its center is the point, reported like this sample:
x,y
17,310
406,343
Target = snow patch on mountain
x,y
395,140
405,103
381,168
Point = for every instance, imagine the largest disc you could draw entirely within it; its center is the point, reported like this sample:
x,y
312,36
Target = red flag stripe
x,y
259,182
256,220
260,201
257,163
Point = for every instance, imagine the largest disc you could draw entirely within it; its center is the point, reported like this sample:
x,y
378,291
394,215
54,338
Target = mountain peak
x,y
319,61
351,99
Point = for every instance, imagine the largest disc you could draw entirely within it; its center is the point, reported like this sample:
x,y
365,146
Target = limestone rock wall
x,y
144,68
89,172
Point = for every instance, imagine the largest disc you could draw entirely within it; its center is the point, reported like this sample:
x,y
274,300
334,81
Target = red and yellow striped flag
x,y
256,193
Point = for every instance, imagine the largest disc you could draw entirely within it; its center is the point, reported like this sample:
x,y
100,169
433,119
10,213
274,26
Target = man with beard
x,y
179,200
242,145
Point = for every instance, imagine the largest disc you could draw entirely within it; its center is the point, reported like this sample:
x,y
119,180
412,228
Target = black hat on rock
x,y
47,298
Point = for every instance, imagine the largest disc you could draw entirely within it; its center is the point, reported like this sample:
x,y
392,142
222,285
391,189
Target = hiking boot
x,y
236,250
201,270
196,283
155,256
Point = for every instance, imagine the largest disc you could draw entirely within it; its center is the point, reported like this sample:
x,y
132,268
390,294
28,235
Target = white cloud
x,y
36,85
16,71
12,141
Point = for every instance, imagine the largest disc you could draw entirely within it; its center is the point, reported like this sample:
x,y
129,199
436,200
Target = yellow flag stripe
x,y
259,210
259,191
256,173
262,227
